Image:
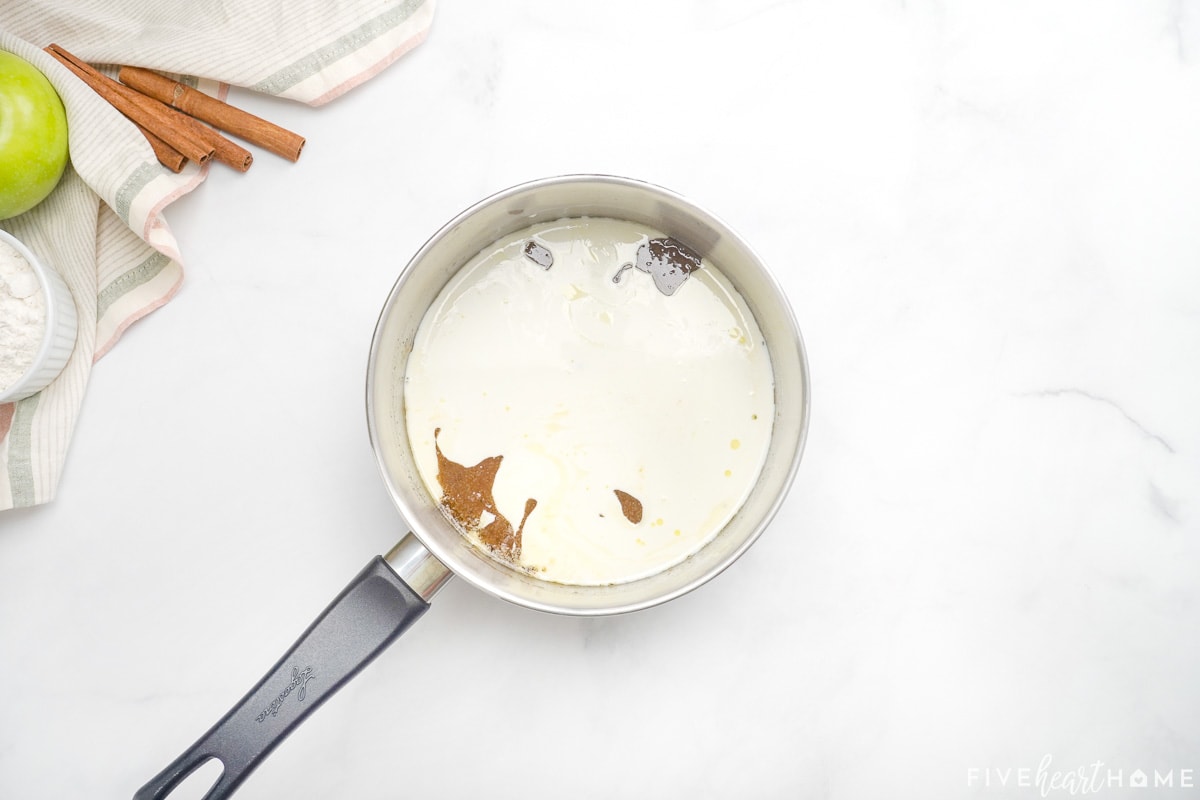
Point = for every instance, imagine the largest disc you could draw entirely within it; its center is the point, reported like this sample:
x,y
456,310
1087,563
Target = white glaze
x,y
586,385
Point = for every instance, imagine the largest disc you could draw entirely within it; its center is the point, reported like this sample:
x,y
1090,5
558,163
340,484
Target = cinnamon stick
x,y
148,113
219,114
224,150
168,156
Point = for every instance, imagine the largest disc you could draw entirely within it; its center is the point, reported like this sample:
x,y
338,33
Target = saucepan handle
x,y
365,618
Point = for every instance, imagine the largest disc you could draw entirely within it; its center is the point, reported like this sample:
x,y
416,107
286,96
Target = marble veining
x,y
1111,404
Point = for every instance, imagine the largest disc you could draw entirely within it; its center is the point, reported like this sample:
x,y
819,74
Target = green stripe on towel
x,y
20,453
130,280
132,186
283,79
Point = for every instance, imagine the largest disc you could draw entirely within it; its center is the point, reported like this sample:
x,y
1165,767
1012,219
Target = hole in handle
x,y
200,781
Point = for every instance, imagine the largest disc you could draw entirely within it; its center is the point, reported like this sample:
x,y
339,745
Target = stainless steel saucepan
x,y
394,590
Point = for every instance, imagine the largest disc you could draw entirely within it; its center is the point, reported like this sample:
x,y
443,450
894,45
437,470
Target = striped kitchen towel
x,y
102,228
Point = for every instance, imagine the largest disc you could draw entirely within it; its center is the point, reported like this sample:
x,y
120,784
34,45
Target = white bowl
x,y
58,336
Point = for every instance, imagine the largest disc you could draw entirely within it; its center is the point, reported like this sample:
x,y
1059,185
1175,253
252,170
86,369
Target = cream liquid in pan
x,y
589,401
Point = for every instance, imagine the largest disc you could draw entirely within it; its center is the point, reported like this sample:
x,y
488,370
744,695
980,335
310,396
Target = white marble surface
x,y
987,218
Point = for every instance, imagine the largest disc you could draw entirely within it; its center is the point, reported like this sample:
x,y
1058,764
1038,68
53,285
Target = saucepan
x,y
395,589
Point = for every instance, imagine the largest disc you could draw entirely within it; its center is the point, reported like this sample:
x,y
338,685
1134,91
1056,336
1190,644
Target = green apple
x,y
33,136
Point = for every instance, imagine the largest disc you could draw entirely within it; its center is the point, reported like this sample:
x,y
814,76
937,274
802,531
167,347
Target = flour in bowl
x,y
22,316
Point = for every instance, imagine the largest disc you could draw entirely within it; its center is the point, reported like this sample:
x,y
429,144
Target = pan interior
x,y
511,211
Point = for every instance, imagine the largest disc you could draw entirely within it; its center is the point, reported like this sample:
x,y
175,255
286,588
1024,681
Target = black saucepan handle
x,y
365,618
